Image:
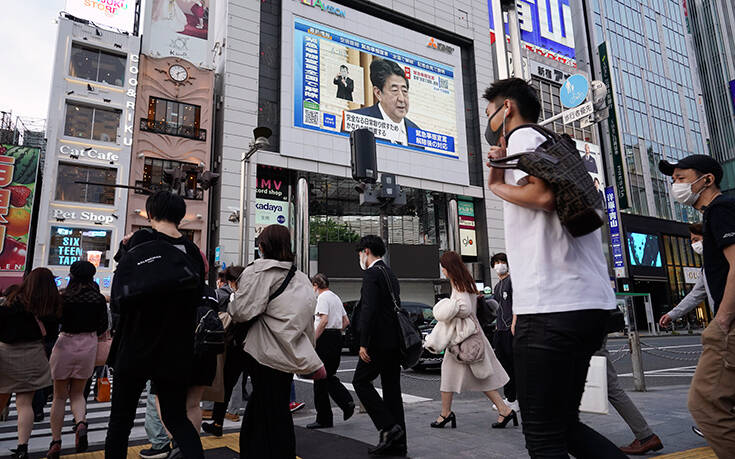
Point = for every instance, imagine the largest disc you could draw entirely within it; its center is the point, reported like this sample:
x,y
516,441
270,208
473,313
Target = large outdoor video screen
x,y
344,82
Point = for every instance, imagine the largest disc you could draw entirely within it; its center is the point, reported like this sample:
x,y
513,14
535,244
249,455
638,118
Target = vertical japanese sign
x,y
612,124
467,234
18,167
613,222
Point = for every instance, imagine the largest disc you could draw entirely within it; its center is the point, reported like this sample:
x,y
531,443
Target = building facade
x,y
642,50
90,134
281,68
711,24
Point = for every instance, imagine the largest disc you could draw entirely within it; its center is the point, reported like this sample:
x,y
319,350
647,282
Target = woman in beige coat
x,y
457,377
280,342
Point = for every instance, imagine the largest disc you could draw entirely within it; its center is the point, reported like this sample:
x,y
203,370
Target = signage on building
x,y
89,152
574,91
324,6
70,244
118,14
180,29
130,99
439,46
18,169
547,73
467,233
692,275
621,186
271,197
592,159
578,113
546,28
613,222
732,93
84,215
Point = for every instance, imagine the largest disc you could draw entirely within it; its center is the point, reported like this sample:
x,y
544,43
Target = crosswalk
x,y
98,414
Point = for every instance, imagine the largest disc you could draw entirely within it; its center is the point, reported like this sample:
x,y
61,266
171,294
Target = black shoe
x,y
81,441
506,419
696,430
213,429
349,411
156,453
451,418
21,452
390,440
318,425
39,417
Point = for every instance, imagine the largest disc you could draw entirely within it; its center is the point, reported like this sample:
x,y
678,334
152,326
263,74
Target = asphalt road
x,y
667,361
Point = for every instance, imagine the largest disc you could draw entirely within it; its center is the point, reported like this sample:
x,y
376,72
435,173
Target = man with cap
x,y
696,182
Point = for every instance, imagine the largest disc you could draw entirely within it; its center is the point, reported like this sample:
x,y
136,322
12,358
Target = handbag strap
x,y
284,284
390,288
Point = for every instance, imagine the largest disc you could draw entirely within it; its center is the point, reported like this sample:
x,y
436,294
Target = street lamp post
x,y
260,140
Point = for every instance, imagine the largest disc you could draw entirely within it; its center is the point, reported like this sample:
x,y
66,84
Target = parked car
x,y
421,314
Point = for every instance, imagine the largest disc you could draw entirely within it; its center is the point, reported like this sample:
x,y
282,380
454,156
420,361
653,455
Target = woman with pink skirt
x,y
83,320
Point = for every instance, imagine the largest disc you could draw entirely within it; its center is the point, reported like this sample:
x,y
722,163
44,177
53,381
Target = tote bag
x,y
594,398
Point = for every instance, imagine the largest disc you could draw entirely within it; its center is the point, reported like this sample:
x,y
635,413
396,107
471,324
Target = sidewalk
x,y
664,408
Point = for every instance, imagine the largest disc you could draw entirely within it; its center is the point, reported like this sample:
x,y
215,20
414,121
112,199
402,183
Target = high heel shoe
x,y
81,441
451,418
506,419
54,450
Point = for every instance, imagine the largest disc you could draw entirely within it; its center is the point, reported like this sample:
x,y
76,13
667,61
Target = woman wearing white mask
x,y
698,293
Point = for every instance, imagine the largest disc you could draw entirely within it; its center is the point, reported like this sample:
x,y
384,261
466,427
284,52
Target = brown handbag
x,y
558,162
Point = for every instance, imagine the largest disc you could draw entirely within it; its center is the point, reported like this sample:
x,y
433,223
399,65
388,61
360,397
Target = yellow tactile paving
x,y
231,441
699,453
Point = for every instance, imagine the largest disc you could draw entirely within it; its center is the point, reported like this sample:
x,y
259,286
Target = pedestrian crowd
x,y
168,333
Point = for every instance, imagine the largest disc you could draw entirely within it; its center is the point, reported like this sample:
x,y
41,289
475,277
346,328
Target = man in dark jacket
x,y
345,85
379,334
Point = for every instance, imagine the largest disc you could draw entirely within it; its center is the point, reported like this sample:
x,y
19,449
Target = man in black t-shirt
x,y
696,182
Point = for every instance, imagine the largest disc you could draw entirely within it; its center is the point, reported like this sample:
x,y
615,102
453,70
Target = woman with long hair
x,y
457,377
28,315
279,343
83,320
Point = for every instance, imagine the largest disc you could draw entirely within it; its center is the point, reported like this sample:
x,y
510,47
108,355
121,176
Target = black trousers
x,y
329,349
267,429
172,398
552,354
387,411
503,347
234,367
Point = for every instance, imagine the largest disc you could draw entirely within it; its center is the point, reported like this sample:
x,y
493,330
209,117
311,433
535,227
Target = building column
x,y
453,225
302,225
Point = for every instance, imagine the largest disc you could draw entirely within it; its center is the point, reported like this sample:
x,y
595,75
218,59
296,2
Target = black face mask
x,y
493,137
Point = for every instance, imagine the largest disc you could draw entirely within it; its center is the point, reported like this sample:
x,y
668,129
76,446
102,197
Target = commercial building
x,y
642,51
302,69
90,134
711,24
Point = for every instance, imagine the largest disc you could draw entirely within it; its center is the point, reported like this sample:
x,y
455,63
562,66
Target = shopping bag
x,y
594,398
103,386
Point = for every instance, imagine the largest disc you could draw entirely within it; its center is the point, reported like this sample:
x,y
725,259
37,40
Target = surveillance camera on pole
x,y
364,164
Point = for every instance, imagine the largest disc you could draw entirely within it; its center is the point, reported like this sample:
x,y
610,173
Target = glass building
x,y
656,95
710,23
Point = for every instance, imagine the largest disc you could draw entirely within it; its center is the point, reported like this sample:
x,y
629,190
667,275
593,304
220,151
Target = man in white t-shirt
x,y
561,288
330,318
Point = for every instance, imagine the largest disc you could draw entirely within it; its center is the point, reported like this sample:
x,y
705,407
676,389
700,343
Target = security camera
x,y
599,94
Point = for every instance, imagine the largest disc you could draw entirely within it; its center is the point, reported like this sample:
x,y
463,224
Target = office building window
x,y
159,174
85,122
96,65
173,118
67,188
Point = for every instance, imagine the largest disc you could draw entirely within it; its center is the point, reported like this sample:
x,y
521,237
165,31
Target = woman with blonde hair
x,y
456,376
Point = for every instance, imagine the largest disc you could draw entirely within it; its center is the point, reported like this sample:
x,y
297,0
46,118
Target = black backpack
x,y
154,269
209,335
558,162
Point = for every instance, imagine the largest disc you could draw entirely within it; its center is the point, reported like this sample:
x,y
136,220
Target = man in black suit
x,y
378,332
345,85
390,88
589,160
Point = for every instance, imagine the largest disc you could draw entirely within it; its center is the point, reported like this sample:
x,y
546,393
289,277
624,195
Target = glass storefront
x,y
69,244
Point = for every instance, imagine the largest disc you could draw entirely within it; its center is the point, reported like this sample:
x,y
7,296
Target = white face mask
x,y
501,268
363,261
682,192
698,247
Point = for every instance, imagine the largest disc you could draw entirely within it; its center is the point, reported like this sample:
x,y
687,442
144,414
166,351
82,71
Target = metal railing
x,y
195,194
163,127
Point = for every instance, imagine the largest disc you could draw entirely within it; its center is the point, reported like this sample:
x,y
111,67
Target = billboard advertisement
x,y
271,197
546,28
344,82
179,28
118,14
592,158
18,167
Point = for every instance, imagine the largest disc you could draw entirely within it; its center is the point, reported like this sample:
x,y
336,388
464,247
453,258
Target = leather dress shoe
x,y
349,411
392,442
638,447
317,425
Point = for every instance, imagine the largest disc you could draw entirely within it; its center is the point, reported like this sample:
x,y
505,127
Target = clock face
x,y
178,73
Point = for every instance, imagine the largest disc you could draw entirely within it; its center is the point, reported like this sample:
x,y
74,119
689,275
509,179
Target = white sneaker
x,y
514,406
505,400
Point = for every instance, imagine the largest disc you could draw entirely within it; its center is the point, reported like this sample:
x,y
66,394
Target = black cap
x,y
82,270
703,163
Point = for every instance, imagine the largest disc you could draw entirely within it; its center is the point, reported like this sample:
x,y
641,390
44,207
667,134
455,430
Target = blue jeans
x,y
153,425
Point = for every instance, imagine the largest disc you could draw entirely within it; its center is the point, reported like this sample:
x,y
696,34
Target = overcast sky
x,y
27,42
